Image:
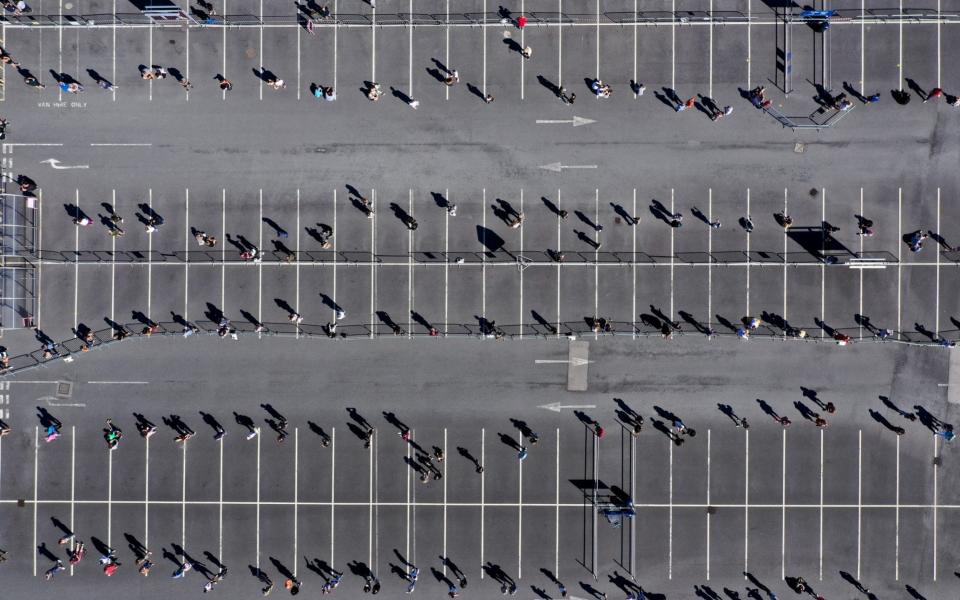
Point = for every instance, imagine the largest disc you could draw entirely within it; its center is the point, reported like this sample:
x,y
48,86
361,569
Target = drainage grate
x,y
799,147
64,389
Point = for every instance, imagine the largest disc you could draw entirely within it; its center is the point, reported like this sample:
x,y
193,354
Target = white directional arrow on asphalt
x,y
557,167
56,164
577,362
556,406
575,121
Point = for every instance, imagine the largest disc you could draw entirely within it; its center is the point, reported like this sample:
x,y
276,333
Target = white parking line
x,y
556,514
783,506
36,459
860,310
483,259
747,235
410,53
708,504
521,269
73,483
410,253
559,57
896,551
446,61
859,496
709,253
296,298
673,230
484,32
186,253
76,263
150,259
220,507
223,93
113,264
746,500
262,61
710,57
863,46
633,269
596,257
109,498
336,39
373,264
223,249
445,480
258,499
183,497
749,48
296,494
673,46
821,508
558,264
823,265
333,478
446,264
936,473
146,492
785,258
519,519
260,264
113,76
597,34
483,489
899,258
939,247
333,310
670,524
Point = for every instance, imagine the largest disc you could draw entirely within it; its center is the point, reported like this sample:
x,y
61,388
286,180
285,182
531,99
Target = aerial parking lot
x,y
570,262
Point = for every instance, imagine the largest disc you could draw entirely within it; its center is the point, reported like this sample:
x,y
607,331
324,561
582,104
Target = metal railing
x,y
527,257
73,347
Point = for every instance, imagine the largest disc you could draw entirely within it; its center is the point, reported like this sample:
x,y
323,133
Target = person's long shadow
x,y
805,411
312,565
400,95
889,404
663,98
585,219
915,88
658,213
914,593
386,319
250,318
554,88
594,592
540,592
281,568
211,421
264,74
135,545
360,433
476,91
693,321
883,421
696,212
705,592
550,205
922,330
436,74
651,321
512,45
826,328
854,92
420,320
543,322
928,419
510,441
440,577
42,550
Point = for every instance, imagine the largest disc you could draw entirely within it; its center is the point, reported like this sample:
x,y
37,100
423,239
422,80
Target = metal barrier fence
x,y
543,330
873,15
525,258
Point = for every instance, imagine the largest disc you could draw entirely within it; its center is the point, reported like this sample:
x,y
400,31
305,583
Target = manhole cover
x,y
64,389
251,52
799,147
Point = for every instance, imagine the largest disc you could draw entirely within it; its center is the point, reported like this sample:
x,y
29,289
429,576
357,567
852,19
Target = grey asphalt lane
x,y
276,169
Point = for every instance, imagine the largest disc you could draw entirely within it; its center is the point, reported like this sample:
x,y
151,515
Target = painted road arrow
x,y
56,164
575,121
556,406
557,167
577,362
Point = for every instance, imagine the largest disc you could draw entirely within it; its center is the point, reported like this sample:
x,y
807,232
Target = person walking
x,y
412,578
112,435
144,564
183,569
56,568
